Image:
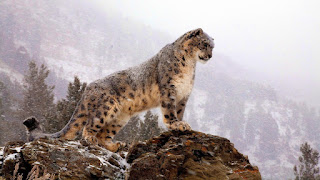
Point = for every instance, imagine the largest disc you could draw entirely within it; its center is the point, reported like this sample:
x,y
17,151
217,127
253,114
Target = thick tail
x,y
73,128
69,132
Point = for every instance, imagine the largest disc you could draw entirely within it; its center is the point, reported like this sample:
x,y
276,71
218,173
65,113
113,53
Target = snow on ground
x,y
249,106
279,120
63,69
1,152
18,149
104,155
18,43
12,74
11,157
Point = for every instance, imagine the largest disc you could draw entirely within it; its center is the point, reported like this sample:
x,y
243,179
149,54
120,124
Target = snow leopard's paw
x,y
180,126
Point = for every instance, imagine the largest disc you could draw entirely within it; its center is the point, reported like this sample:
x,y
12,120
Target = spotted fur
x,y
166,80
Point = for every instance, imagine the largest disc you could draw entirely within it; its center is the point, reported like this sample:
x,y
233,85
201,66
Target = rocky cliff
x,y
172,155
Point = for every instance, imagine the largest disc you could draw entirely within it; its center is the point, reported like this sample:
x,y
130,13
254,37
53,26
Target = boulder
x,y
65,160
188,155
172,155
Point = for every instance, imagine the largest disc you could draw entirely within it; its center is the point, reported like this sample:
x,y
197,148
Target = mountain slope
x,y
74,38
266,127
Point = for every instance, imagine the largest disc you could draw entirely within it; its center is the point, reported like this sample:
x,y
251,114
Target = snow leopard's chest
x,y
184,85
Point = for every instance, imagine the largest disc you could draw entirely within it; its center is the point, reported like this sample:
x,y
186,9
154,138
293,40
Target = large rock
x,y
172,155
188,155
66,160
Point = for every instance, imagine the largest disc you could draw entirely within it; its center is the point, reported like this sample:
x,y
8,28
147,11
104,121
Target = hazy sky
x,y
279,38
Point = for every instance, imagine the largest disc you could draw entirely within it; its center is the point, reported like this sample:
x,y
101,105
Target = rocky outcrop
x,y
65,160
188,155
172,155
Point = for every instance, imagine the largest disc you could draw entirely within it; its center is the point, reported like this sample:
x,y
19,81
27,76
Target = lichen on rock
x,y
172,155
188,155
67,160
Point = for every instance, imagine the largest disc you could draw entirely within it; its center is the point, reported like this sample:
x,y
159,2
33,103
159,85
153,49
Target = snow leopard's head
x,y
196,45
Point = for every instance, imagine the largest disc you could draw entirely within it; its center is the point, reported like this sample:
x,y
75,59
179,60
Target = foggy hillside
x,y
76,38
72,38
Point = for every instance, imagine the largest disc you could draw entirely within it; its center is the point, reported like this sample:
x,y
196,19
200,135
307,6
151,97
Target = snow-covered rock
x,y
172,155
69,159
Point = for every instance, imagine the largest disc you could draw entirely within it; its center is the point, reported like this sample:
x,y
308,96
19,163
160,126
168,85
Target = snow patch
x,y
1,155
249,106
73,143
278,118
18,149
11,157
104,156
189,171
1,152
266,106
36,163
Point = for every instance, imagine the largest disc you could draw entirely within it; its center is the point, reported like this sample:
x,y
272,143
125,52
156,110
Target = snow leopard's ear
x,y
182,43
189,35
195,33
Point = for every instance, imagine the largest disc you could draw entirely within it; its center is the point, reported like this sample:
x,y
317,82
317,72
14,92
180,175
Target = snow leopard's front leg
x,y
181,125
172,116
181,106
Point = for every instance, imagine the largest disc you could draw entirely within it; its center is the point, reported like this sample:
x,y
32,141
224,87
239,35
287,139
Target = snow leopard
x,y
166,81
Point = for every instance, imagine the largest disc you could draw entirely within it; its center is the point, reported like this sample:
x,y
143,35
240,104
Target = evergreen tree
x,y
66,107
149,127
307,169
4,100
38,96
130,132
140,130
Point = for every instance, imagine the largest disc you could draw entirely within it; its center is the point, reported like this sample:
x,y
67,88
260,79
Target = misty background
x,y
260,89
276,39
